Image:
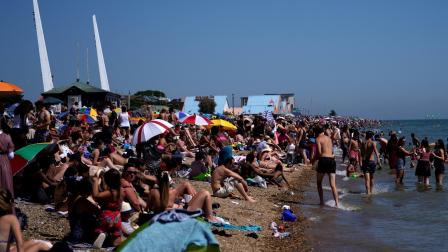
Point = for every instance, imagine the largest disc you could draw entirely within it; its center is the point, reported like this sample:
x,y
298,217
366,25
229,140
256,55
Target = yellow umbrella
x,y
223,123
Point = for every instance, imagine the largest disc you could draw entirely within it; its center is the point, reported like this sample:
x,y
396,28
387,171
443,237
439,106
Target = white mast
x,y
47,78
99,52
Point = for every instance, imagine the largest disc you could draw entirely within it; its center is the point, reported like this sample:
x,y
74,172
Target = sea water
x,y
405,218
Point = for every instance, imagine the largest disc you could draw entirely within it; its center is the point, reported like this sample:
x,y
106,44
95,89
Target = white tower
x,y
47,79
99,53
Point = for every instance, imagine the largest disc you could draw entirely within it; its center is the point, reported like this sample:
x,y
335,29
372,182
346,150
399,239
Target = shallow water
x,y
407,218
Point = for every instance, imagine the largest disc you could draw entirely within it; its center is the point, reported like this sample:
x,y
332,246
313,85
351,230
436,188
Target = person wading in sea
x,y
326,165
369,152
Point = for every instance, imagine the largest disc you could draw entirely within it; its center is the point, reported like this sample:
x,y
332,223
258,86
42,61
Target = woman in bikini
x,y
110,201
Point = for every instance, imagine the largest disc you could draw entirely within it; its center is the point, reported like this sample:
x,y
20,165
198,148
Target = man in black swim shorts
x,y
326,165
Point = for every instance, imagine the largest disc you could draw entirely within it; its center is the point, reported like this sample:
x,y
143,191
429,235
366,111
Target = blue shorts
x,y
401,164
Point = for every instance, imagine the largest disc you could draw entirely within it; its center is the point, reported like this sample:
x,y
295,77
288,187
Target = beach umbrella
x,y
93,113
88,119
25,155
149,130
196,120
7,89
223,123
181,115
52,100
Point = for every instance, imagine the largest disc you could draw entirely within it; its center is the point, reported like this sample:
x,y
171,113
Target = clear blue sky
x,y
380,59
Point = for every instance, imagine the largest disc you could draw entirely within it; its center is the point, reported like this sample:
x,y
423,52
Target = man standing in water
x,y
369,151
326,165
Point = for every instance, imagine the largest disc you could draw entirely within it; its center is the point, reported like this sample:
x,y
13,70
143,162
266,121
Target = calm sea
x,y
393,219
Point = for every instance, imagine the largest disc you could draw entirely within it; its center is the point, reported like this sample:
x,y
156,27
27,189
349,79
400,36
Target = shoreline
x,y
52,227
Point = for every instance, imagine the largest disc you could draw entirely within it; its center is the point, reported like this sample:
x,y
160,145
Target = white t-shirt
x,y
124,119
291,148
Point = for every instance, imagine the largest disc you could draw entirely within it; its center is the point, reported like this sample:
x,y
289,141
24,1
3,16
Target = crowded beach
x,y
110,176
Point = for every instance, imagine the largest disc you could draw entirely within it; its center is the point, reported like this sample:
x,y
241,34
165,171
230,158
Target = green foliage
x,y
207,106
332,113
155,93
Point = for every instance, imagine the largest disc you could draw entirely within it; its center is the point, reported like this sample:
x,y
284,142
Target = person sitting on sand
x,y
101,157
128,177
110,201
163,198
199,169
10,227
250,169
224,181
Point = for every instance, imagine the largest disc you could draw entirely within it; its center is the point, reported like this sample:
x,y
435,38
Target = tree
x,y
155,93
207,106
332,113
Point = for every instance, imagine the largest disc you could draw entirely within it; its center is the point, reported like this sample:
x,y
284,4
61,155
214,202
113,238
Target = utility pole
x,y
129,100
233,104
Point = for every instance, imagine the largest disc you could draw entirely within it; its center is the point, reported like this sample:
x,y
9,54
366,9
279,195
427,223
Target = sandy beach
x,y
52,227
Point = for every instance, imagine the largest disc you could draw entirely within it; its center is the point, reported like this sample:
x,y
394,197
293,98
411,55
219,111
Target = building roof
x,y
80,85
191,104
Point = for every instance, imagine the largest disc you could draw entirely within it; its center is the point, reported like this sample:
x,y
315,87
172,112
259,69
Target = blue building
x,y
275,103
191,104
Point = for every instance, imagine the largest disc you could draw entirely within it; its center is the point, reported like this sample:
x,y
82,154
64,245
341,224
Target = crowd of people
x,y
109,186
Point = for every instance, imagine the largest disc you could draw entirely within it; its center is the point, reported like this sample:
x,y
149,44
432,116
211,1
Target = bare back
x,y
369,150
218,175
324,146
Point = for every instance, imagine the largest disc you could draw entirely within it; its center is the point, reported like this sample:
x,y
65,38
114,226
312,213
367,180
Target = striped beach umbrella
x,y
196,120
24,155
181,115
149,130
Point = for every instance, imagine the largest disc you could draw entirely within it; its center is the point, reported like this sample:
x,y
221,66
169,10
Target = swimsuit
x,y
354,154
368,166
439,166
326,165
110,220
227,189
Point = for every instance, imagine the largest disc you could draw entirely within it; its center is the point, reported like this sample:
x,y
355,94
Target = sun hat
x,y
125,207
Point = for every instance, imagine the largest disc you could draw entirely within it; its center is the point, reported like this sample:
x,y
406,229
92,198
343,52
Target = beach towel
x,y
173,230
